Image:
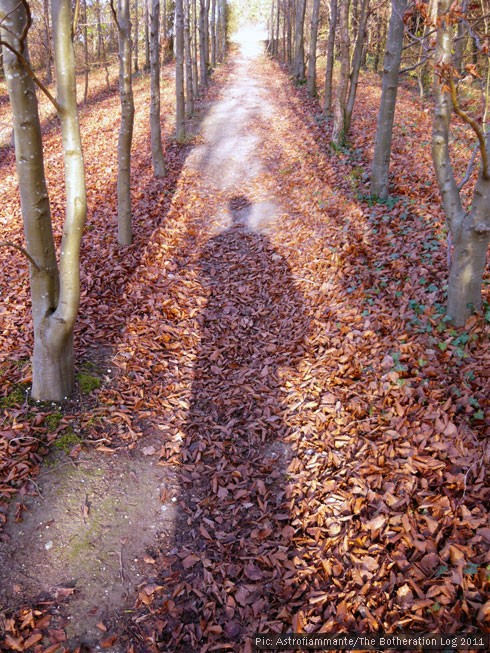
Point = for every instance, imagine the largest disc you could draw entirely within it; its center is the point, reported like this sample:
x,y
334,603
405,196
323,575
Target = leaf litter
x,y
276,342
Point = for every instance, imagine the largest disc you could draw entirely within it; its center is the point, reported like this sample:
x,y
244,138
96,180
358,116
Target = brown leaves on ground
x,y
327,426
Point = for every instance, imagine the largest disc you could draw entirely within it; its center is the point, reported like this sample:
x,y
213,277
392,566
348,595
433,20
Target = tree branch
x,y
31,74
114,15
7,243
472,123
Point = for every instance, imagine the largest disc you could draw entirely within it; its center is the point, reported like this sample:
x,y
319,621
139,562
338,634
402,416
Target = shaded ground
x,y
279,356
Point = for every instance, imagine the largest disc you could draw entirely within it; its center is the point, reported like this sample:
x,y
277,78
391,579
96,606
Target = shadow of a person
x,y
234,456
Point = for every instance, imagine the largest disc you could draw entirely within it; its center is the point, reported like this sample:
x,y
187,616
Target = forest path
x,y
277,421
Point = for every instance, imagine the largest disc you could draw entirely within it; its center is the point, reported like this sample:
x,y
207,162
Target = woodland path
x,y
275,458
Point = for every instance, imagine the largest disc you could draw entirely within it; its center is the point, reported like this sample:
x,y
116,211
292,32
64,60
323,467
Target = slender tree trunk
x,y
204,40
155,128
47,43
356,64
311,83
85,52
327,106
147,35
136,37
338,130
189,89
195,51
125,235
179,71
470,230
299,42
386,115
213,34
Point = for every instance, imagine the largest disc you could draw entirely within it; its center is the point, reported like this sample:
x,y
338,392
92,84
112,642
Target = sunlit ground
x,y
251,39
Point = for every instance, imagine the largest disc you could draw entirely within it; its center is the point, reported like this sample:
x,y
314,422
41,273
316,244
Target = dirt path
x,y
85,538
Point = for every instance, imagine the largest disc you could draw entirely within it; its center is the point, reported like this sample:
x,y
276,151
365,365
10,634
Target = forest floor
x,y
275,430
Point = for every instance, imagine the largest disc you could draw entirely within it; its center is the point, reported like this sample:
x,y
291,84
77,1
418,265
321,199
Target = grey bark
x,y
189,87
124,228
155,128
85,52
311,81
327,106
299,41
47,43
195,51
356,64
203,41
386,114
470,230
338,130
137,37
179,71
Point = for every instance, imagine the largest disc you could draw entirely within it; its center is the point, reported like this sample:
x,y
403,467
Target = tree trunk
x,y
147,35
299,42
179,71
311,83
356,65
338,130
204,41
189,89
124,230
213,34
327,105
85,52
47,43
194,50
155,128
470,230
136,37
386,115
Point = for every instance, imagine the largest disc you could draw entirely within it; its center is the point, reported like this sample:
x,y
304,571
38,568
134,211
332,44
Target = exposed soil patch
x,y
83,539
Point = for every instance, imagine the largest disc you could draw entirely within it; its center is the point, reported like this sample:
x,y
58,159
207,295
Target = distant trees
x,y
90,35
439,44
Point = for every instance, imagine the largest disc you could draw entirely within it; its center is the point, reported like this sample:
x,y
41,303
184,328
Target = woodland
x,y
244,306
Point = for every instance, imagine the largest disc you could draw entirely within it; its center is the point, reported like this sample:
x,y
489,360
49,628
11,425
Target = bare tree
x,y
155,128
386,115
179,71
311,81
338,131
299,41
469,229
55,292
123,23
327,106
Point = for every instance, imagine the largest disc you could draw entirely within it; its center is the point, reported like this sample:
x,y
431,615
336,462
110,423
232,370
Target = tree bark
x,y
356,65
85,52
204,41
189,88
124,228
386,115
299,41
338,130
155,128
327,105
470,230
136,37
47,43
179,71
311,83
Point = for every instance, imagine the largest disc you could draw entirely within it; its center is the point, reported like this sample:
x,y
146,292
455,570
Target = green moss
x,y
88,383
67,440
52,421
15,398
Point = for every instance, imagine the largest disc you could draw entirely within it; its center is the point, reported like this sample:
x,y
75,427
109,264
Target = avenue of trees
x,y
68,37
442,45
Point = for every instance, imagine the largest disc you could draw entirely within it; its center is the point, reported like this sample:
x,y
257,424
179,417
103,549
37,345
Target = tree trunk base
x,y
52,370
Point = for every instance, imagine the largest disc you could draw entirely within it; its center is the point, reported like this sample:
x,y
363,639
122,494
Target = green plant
x,y
88,382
